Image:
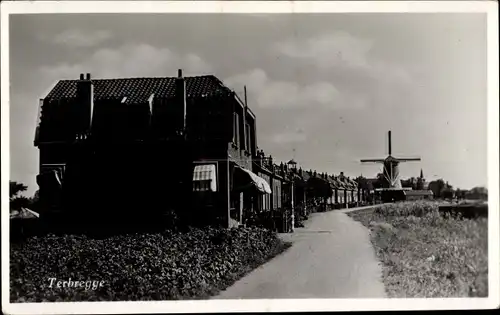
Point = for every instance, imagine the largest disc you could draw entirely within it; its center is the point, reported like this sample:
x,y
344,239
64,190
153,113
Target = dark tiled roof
x,y
332,182
348,183
341,183
140,89
354,184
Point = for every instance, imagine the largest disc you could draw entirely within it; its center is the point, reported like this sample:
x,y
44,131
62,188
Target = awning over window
x,y
258,182
204,178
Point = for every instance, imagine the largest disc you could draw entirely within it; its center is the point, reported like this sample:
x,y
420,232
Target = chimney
x,y
180,97
85,100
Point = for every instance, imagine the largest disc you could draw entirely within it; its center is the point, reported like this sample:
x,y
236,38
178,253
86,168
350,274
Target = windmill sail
x,y
408,159
373,160
391,166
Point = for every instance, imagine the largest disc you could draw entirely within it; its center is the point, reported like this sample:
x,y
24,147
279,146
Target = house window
x,y
248,143
236,129
266,202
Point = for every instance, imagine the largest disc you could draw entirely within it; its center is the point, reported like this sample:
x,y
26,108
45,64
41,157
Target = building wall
x,y
239,156
210,135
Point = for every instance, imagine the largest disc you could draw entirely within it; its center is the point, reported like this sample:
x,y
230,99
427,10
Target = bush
x,y
426,253
160,266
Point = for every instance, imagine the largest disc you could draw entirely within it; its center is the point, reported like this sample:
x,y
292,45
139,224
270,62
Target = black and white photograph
x,y
259,156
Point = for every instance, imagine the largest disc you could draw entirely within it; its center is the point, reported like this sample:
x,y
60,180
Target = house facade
x,y
148,143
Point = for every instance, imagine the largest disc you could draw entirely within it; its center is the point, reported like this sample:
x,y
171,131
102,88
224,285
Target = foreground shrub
x,y
160,266
428,254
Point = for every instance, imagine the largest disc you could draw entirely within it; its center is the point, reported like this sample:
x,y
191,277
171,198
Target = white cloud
x,y
79,38
341,54
131,60
289,137
270,93
329,50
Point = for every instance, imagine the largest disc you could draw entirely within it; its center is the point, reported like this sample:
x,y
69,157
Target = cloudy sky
x,y
325,86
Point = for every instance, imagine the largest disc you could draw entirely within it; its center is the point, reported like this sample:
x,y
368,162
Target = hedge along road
x,y
331,257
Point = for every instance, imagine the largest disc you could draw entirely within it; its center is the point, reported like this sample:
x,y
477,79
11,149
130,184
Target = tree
x,y
380,182
35,201
447,193
437,187
414,183
480,193
16,201
362,182
15,188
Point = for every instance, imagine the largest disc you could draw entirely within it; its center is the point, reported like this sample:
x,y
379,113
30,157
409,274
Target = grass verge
x,y
428,254
160,266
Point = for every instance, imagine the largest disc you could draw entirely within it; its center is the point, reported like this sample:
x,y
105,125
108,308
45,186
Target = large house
x,y
139,146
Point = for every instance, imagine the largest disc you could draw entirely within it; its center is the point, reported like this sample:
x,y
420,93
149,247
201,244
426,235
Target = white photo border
x,y
268,305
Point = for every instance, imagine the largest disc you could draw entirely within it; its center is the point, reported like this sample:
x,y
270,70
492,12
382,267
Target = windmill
x,y
391,171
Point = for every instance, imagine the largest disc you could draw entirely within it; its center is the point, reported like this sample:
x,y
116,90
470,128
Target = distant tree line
x,y
444,190
440,188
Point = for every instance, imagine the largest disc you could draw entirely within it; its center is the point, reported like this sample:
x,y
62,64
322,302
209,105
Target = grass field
x,y
427,254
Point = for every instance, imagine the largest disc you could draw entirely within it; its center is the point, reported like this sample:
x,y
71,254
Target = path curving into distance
x,y
331,257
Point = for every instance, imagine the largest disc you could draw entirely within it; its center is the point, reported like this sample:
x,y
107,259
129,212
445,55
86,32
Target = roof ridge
x,y
146,77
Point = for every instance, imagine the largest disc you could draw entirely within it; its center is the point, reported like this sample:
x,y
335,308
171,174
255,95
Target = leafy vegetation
x,y
16,200
160,266
428,254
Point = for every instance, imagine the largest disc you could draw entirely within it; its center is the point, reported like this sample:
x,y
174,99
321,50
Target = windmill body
x,y
391,171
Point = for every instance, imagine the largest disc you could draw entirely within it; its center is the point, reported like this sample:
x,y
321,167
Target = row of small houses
x,y
286,187
112,147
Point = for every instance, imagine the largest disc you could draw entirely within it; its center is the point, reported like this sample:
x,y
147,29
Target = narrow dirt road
x,y
331,257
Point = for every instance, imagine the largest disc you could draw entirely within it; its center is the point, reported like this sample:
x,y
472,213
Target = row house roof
x,y
140,89
334,182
